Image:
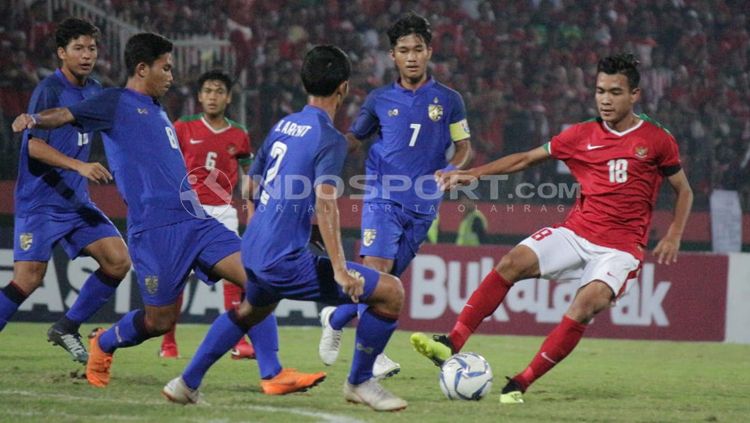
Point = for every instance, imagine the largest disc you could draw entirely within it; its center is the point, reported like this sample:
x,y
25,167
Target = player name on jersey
x,y
292,129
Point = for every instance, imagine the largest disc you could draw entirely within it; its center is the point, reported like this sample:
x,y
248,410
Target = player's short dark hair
x,y
145,47
625,64
410,24
72,28
215,75
324,69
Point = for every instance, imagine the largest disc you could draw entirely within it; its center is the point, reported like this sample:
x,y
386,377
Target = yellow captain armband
x,y
460,130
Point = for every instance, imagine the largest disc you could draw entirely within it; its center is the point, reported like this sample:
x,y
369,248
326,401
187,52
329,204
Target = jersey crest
x,y
435,111
152,284
369,237
25,240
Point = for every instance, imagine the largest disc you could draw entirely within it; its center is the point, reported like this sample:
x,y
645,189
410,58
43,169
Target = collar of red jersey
x,y
627,131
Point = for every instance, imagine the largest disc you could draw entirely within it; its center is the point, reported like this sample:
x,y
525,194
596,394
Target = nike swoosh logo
x,y
594,147
192,141
544,356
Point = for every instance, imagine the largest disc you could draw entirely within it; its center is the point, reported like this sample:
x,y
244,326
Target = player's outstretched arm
x,y
45,153
669,246
46,119
327,212
502,166
463,153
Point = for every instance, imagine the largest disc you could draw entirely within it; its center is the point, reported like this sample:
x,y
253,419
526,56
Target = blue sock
x,y
343,315
223,334
265,339
127,332
373,333
10,299
96,291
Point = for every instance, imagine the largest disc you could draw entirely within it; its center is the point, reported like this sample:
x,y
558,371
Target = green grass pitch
x,y
602,381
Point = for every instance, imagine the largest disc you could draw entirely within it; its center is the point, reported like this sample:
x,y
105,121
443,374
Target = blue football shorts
x,y
313,282
36,234
164,256
390,232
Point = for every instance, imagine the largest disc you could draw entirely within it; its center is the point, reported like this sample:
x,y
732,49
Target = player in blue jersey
x,y
168,233
414,120
52,200
295,178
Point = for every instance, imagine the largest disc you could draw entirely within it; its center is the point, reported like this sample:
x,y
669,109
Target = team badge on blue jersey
x,y
25,240
152,284
369,237
435,112
393,112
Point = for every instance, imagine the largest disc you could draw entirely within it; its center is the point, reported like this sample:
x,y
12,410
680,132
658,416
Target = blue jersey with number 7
x,y
413,130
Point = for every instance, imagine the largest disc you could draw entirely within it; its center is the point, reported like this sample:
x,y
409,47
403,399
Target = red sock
x,y
233,295
559,343
483,302
169,337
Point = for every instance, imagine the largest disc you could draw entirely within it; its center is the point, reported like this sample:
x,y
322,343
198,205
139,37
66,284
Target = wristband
x,y
35,118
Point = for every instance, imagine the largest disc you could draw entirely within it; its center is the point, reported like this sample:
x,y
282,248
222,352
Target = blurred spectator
x,y
523,67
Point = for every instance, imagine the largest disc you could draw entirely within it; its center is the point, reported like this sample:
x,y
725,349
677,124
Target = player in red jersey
x,y
619,159
214,147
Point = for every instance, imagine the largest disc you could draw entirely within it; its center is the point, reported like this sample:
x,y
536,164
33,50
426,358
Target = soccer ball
x,y
466,376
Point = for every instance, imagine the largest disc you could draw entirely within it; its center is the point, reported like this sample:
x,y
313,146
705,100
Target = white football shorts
x,y
225,214
565,256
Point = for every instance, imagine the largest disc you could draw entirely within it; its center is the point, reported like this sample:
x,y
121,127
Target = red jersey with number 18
x,y
620,174
211,156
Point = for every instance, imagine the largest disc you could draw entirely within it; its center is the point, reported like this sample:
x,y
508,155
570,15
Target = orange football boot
x,y
97,368
290,380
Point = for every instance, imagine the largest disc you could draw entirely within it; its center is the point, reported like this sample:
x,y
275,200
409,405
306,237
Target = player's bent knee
x,y
519,263
390,293
158,327
589,301
118,268
29,275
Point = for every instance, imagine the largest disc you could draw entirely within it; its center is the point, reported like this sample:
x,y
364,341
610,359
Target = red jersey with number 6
x,y
620,174
211,156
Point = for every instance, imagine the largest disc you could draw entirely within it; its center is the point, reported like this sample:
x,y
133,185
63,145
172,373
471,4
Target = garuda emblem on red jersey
x,y
641,152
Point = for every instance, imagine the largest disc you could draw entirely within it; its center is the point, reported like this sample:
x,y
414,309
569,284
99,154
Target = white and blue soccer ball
x,y
466,376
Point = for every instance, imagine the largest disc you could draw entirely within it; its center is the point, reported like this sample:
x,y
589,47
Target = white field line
x,y
322,417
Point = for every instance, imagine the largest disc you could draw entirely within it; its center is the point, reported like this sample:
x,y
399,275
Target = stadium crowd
x,y
523,67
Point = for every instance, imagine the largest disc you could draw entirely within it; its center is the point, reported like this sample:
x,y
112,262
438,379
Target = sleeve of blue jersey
x,y
366,122
45,96
329,161
459,109
98,112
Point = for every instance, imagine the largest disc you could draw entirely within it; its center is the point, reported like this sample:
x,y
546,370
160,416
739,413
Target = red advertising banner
x,y
684,301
